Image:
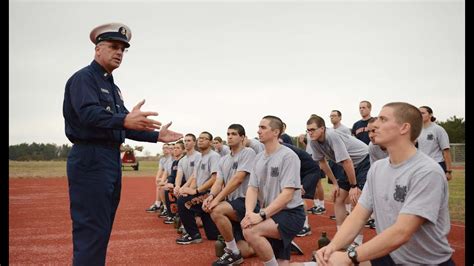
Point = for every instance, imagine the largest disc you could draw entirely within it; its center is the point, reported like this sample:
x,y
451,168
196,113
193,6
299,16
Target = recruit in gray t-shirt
x,y
376,153
417,186
206,166
230,164
271,174
187,163
339,147
433,140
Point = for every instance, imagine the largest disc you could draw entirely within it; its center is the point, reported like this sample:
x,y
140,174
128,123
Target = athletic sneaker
x,y
229,258
163,214
316,210
295,248
187,239
319,210
306,231
169,220
153,208
310,210
370,223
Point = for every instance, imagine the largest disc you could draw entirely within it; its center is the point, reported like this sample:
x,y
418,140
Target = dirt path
x,y
40,229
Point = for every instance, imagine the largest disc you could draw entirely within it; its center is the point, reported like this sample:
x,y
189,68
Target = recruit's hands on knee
x,y
167,135
206,203
354,194
176,191
323,255
250,219
138,120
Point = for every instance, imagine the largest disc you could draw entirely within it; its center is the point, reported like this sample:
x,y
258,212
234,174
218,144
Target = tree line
x,y
454,126
38,152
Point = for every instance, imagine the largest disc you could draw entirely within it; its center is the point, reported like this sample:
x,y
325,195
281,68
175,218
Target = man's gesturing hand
x,y
167,135
139,120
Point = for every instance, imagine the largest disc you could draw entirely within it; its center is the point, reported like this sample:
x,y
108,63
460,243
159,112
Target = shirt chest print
x,y
430,136
400,193
274,171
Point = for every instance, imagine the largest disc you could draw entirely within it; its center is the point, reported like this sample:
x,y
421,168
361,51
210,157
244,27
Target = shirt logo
x,y
191,164
104,90
235,165
430,137
400,193
203,166
274,172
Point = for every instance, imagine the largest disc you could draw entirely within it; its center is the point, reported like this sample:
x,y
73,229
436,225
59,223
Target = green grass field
x,y
48,169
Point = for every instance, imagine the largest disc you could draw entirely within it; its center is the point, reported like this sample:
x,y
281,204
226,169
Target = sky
x,y
207,64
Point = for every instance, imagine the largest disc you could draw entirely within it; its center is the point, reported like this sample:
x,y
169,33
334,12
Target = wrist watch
x,y
352,254
354,186
263,215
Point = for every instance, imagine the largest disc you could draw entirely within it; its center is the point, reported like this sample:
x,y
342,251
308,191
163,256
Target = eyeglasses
x,y
310,130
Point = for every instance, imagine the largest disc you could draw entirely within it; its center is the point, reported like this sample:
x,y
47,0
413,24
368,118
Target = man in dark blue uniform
x,y
97,122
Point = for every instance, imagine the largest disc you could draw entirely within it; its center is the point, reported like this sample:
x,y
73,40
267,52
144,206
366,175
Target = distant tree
x,y
455,128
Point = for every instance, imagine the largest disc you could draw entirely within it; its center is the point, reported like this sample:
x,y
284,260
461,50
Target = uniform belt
x,y
108,144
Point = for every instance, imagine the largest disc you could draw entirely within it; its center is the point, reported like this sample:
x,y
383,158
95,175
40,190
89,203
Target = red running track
x,y
40,229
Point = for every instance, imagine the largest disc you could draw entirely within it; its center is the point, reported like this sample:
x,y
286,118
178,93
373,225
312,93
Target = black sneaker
x,y
229,258
186,239
370,223
169,220
153,208
295,248
319,210
306,231
164,214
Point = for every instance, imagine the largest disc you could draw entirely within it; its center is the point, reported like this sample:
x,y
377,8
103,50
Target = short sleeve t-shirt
x,y
272,173
230,164
417,186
